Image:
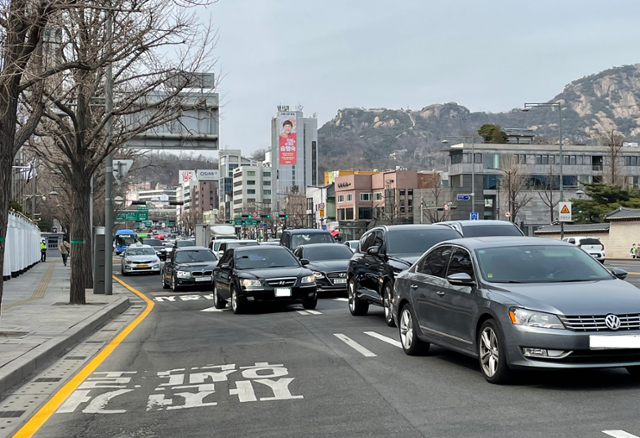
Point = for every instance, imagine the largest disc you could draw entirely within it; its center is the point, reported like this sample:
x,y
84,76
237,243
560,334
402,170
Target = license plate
x,y
283,292
203,278
340,281
143,266
599,342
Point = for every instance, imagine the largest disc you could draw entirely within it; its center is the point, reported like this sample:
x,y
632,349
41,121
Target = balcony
x,y
597,167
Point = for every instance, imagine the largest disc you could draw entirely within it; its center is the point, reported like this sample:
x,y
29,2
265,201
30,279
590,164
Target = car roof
x,y
308,231
192,248
408,227
323,245
467,223
258,248
140,246
500,241
581,237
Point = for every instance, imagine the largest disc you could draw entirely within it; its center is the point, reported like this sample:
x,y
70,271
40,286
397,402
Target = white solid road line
x,y
213,309
619,434
309,312
302,312
353,344
384,339
341,299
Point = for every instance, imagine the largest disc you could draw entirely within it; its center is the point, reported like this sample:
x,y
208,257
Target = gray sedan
x,y
519,303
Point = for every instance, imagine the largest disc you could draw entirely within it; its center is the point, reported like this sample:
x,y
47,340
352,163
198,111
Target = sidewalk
x,y
37,323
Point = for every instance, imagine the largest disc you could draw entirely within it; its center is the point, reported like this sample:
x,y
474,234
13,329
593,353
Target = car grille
x,y
333,275
201,273
281,282
145,262
597,324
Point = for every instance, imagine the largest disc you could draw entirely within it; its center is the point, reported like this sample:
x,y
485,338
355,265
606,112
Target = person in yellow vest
x,y
43,251
64,248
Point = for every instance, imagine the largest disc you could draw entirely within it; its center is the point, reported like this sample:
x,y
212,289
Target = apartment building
x,y
228,161
253,189
321,207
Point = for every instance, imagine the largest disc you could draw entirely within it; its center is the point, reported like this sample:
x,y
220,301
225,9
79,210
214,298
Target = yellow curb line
x,y
40,417
633,273
39,290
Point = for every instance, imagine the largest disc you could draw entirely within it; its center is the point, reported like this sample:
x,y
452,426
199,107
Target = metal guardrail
x,y
22,245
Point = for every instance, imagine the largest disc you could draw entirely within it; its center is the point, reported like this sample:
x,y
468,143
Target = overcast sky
x,y
331,54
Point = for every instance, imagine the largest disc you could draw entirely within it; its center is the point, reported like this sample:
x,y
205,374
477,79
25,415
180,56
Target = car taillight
x,y
579,245
602,249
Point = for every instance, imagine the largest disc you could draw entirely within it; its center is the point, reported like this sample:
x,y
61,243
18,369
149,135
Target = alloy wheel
x,y
386,303
352,297
489,351
234,300
406,328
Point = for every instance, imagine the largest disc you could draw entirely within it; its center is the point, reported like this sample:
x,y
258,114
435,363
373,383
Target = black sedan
x,y
329,262
189,266
262,274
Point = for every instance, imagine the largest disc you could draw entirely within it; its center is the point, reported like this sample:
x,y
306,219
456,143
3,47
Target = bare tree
x,y
546,193
148,93
513,181
613,141
435,212
295,206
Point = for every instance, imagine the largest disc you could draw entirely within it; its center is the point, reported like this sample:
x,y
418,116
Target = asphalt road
x,y
190,371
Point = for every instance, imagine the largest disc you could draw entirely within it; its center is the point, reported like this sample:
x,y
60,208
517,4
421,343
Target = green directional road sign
x,y
241,221
143,208
147,223
132,216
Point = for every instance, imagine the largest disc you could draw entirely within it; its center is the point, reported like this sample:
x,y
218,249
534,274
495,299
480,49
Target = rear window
x,y
590,241
307,238
152,242
490,230
416,242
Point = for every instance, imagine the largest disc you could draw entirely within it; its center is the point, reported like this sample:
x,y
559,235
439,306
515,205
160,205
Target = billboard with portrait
x,y
288,138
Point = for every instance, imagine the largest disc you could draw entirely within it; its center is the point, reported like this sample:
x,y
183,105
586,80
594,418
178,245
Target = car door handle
x,y
440,293
367,264
414,286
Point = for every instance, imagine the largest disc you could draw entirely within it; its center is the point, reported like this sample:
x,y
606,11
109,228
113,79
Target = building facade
x,y
253,190
321,206
228,161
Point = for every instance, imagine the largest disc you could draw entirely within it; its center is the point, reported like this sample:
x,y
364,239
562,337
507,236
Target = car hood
x,y
579,298
142,258
265,274
329,265
197,265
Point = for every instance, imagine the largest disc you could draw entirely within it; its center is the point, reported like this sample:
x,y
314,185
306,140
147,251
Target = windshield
x,y
416,242
125,239
266,258
140,251
304,239
183,243
333,252
152,242
239,244
539,264
216,245
490,230
195,256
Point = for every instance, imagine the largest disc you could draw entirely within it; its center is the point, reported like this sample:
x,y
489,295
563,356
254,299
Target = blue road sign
x,y
474,216
463,197
324,227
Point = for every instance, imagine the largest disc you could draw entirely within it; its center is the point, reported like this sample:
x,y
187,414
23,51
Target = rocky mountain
x,y
365,138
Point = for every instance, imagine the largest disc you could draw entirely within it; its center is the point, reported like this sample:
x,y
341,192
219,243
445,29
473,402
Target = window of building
x,y
349,213
478,158
237,183
634,161
341,214
266,183
237,174
542,159
570,181
231,168
365,196
377,196
456,157
349,197
266,201
403,210
491,161
402,194
266,192
410,194
340,198
251,200
490,182
251,173
237,193
251,191
251,182
521,159
266,173
456,181
579,159
365,213
237,201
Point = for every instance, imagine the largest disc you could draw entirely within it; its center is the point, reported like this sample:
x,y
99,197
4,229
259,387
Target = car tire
x,y
491,354
387,292
124,274
218,302
237,305
412,345
357,307
634,371
310,304
164,283
174,284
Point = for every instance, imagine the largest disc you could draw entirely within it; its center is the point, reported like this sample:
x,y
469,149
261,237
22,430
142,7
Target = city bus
x,y
123,239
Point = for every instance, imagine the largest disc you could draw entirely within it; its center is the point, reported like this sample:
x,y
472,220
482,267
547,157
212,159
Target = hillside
x,y
364,138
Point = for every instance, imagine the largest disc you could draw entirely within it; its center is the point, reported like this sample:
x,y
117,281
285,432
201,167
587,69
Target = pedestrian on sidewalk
x,y
64,248
43,251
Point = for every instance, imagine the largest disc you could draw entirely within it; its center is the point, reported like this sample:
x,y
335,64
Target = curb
x,y
17,371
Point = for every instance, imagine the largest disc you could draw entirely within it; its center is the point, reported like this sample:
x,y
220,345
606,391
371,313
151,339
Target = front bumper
x,y
267,294
575,345
195,281
324,285
133,269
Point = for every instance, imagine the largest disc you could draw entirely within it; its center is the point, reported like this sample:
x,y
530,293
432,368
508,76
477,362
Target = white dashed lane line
x,y
213,309
619,434
341,299
384,339
353,344
309,312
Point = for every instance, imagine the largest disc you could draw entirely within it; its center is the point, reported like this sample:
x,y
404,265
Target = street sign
x,y
237,221
147,223
322,212
324,227
507,213
446,207
254,214
135,216
321,205
464,197
143,208
565,212
474,216
120,169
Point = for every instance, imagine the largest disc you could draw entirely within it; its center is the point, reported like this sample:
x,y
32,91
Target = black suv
x,y
385,252
484,228
294,238
157,245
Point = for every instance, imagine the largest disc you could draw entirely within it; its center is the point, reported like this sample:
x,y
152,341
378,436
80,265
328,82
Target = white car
x,y
140,259
591,245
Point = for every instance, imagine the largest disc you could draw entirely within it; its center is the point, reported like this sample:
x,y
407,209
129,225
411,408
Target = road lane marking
x,y
353,344
309,312
619,434
341,299
384,339
45,412
213,309
302,312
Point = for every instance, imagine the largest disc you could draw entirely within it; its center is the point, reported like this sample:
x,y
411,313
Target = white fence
x,y
22,246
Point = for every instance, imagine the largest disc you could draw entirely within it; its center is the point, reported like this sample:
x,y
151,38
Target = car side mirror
x,y
460,279
374,250
619,273
224,265
304,262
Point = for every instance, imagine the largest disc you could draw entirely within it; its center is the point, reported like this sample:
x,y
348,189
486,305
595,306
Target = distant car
x,y
484,228
251,275
591,245
294,238
270,242
179,243
329,262
140,259
352,244
157,245
226,244
189,266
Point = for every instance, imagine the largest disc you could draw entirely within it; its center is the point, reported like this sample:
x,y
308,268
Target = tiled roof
x,y
575,229
623,213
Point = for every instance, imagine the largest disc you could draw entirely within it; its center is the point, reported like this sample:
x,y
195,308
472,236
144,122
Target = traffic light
x,y
176,203
283,215
265,216
249,216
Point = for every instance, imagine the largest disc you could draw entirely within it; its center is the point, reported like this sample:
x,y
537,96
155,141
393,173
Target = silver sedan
x,y
140,259
519,303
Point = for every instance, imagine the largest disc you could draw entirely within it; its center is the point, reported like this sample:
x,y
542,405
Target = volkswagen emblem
x,y
612,321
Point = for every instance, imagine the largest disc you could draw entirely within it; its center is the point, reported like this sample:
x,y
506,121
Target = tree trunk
x,y
6,159
80,239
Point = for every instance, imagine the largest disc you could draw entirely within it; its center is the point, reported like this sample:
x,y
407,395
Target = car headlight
x,y
251,283
128,262
529,318
317,275
183,274
308,279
